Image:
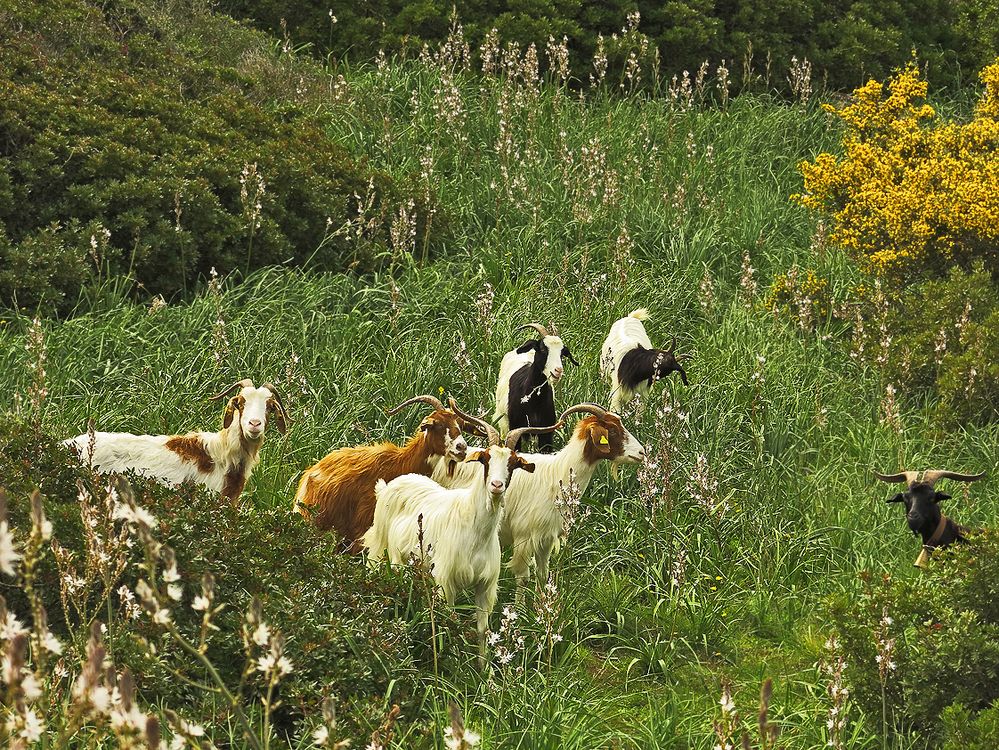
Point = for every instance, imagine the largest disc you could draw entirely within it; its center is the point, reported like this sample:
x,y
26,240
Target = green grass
x,y
641,660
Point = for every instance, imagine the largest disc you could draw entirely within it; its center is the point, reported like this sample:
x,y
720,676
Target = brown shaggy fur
x,y
191,449
340,488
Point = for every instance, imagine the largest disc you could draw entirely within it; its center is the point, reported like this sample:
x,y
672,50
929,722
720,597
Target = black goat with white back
x,y
630,363
525,389
922,511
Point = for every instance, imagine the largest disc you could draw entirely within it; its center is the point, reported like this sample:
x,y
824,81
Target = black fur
x,y
922,513
640,365
532,401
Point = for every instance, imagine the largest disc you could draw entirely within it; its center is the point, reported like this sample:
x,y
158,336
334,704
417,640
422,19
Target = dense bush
x,y
340,620
125,148
846,40
912,194
921,643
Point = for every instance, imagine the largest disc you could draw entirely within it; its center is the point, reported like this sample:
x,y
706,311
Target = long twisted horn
x,y
492,434
905,476
514,436
932,476
277,399
238,385
537,327
585,408
425,399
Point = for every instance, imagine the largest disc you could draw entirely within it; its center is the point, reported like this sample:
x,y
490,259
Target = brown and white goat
x,y
922,511
338,492
220,460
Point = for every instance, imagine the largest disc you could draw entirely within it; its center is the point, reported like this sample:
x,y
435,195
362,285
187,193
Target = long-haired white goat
x,y
220,460
533,522
455,528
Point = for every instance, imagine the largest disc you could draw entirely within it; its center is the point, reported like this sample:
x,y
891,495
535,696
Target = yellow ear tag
x,y
604,440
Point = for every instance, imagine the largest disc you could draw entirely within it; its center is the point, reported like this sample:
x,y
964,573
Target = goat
x,y
525,389
630,363
455,528
533,523
220,460
923,512
341,486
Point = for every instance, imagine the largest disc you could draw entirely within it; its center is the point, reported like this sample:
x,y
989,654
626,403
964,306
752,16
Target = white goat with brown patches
x,y
221,460
456,528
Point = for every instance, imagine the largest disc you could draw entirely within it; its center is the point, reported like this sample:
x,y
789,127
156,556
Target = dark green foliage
x,y
955,321
343,625
847,40
111,124
965,730
945,624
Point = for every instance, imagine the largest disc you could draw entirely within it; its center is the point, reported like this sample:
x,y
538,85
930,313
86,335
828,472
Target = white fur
x,y
532,523
512,361
625,335
460,529
148,456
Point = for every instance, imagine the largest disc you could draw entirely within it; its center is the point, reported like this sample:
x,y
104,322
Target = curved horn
x,y
425,399
238,385
932,476
585,408
514,436
277,398
536,326
492,434
905,476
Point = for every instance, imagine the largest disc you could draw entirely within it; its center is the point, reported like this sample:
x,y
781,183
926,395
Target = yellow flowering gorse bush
x,y
911,192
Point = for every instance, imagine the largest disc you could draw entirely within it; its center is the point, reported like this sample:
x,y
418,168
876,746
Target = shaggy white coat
x,y
532,523
460,529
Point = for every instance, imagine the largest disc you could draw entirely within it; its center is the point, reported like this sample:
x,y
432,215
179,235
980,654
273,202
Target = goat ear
x,y
598,436
529,468
897,498
230,409
426,424
940,496
275,408
568,356
481,456
528,346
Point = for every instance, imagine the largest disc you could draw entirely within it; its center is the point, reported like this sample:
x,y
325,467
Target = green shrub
x,y
966,730
945,341
847,41
944,628
114,127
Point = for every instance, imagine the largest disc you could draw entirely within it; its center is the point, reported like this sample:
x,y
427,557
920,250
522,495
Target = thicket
x,y
155,143
926,647
845,40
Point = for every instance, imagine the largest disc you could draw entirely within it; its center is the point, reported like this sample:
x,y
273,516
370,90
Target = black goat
x,y
525,389
922,511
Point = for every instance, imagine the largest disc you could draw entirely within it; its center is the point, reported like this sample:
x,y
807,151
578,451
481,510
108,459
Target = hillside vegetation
x,y
753,546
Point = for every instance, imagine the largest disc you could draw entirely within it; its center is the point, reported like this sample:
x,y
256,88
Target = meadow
x,y
714,564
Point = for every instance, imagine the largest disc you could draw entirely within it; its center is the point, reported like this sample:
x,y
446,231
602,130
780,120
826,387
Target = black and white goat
x,y
630,363
219,460
922,511
525,389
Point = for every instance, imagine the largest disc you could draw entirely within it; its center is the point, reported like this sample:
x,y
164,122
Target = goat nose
x,y
497,484
254,423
